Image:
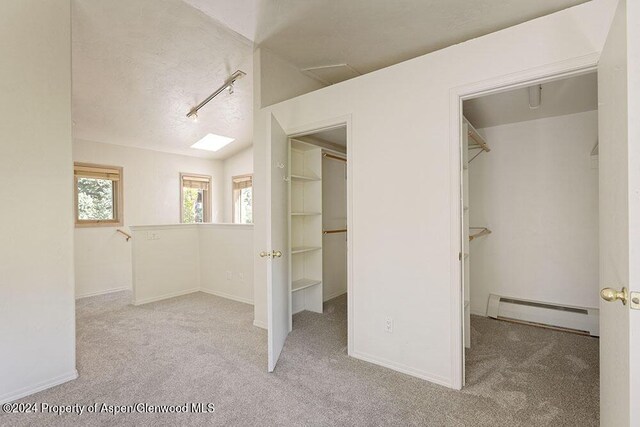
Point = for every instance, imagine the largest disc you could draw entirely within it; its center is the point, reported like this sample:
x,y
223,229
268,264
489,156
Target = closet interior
x,y
317,219
529,207
473,145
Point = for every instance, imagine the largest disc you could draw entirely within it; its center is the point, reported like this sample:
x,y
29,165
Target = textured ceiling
x,y
239,15
372,34
561,97
140,65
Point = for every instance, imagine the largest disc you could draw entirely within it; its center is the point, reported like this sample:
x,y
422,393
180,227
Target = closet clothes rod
x,y
342,230
331,156
480,143
483,232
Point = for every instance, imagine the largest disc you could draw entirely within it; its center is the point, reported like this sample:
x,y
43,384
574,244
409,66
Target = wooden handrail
x,y
127,235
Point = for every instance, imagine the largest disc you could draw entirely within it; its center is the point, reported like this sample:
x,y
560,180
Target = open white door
x,y
619,156
278,314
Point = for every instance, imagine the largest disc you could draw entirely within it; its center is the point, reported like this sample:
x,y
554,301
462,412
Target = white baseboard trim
x,y
227,296
165,296
335,295
478,313
26,391
404,369
104,292
259,324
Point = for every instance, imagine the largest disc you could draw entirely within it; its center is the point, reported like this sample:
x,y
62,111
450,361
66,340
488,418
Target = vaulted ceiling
x,y
372,34
140,65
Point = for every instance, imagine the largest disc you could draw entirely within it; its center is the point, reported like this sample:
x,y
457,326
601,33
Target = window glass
x,y
195,198
243,199
95,199
98,195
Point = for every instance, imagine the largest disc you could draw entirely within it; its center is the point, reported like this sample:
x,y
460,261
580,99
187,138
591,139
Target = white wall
x,y
538,193
37,311
407,267
165,260
278,80
226,261
238,164
334,217
177,259
151,196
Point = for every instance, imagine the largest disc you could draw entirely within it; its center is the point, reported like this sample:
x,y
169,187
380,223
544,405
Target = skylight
x,y
212,142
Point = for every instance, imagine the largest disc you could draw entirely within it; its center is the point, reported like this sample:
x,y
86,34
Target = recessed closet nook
x,y
529,203
317,219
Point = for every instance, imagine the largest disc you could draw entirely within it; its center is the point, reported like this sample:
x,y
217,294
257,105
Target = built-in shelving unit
x,y
305,226
301,284
304,178
303,249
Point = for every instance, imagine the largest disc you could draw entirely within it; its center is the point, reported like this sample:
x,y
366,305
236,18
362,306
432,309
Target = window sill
x,y
90,224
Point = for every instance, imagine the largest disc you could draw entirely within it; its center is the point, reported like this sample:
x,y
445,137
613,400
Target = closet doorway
x,y
317,215
531,240
317,219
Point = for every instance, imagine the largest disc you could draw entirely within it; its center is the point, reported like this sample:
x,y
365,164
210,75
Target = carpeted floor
x,y
201,348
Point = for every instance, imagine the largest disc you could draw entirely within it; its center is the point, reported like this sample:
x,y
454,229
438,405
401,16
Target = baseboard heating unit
x,y
581,320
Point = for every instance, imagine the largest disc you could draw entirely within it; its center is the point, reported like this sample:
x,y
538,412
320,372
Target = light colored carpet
x,y
201,348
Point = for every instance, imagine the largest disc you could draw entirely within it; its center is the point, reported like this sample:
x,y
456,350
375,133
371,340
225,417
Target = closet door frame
x,y
556,71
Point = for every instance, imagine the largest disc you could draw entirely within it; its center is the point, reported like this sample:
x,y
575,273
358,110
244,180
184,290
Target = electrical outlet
x,y
229,275
388,325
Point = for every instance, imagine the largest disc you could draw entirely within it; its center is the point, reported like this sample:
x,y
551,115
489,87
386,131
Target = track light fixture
x,y
193,113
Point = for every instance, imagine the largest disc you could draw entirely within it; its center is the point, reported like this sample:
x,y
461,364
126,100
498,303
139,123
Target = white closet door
x,y
619,157
278,309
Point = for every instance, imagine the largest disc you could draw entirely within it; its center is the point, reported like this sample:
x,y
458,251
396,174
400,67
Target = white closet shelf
x,y
302,249
304,178
305,213
298,285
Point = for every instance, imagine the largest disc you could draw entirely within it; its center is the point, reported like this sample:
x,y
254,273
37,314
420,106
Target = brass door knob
x,y
264,254
277,254
612,295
